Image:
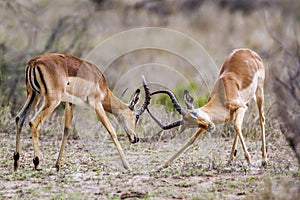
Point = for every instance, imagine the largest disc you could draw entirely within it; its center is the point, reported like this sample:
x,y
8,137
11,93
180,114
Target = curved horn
x,y
147,98
177,106
165,127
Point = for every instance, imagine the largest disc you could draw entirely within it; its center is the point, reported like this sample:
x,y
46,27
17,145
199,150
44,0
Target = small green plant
x,y
47,188
201,101
96,169
114,197
33,191
183,184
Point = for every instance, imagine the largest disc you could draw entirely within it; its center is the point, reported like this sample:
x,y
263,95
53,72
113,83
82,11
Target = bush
x,y
167,103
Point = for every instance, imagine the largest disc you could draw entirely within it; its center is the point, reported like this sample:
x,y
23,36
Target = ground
x,y
91,168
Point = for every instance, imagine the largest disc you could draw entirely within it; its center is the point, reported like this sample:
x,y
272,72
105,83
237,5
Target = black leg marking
x,y
25,113
17,119
235,152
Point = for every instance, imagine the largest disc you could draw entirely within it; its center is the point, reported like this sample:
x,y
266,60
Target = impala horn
x,y
165,127
147,99
177,106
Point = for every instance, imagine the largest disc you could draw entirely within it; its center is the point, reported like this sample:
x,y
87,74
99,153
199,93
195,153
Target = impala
x,y
65,78
241,78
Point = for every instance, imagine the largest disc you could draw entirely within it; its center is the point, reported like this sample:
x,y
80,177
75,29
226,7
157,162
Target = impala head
x,y
128,118
191,118
196,118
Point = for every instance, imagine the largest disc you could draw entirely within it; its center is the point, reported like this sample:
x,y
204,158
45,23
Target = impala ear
x,y
188,99
135,99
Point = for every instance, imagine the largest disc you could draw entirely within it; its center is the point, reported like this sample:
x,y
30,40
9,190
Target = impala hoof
x,y
264,163
57,168
36,162
134,139
229,163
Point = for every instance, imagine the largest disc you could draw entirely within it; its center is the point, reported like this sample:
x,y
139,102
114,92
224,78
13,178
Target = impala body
x,y
241,79
59,77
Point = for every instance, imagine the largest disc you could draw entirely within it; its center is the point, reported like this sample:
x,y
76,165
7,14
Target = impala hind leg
x,y
183,148
238,123
35,125
31,102
105,121
67,128
260,105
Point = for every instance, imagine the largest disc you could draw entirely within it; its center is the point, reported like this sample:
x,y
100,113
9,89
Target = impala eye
x,y
137,118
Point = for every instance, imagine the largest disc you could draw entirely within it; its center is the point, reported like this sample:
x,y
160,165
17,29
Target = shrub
x,y
167,103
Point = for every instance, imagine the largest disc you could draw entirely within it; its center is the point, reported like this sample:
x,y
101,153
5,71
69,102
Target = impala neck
x,y
112,104
216,107
217,112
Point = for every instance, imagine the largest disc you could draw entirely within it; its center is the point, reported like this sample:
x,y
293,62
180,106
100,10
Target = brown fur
x,y
241,79
61,77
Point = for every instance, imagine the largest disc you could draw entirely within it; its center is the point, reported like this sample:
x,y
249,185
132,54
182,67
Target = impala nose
x,y
134,139
211,128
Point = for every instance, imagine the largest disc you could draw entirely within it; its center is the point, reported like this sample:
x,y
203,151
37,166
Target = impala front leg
x,y
103,118
183,148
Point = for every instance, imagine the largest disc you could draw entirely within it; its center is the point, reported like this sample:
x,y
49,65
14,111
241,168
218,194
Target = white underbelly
x,y
249,93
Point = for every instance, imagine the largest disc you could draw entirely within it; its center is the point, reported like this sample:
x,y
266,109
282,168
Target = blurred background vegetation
x,y
270,27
